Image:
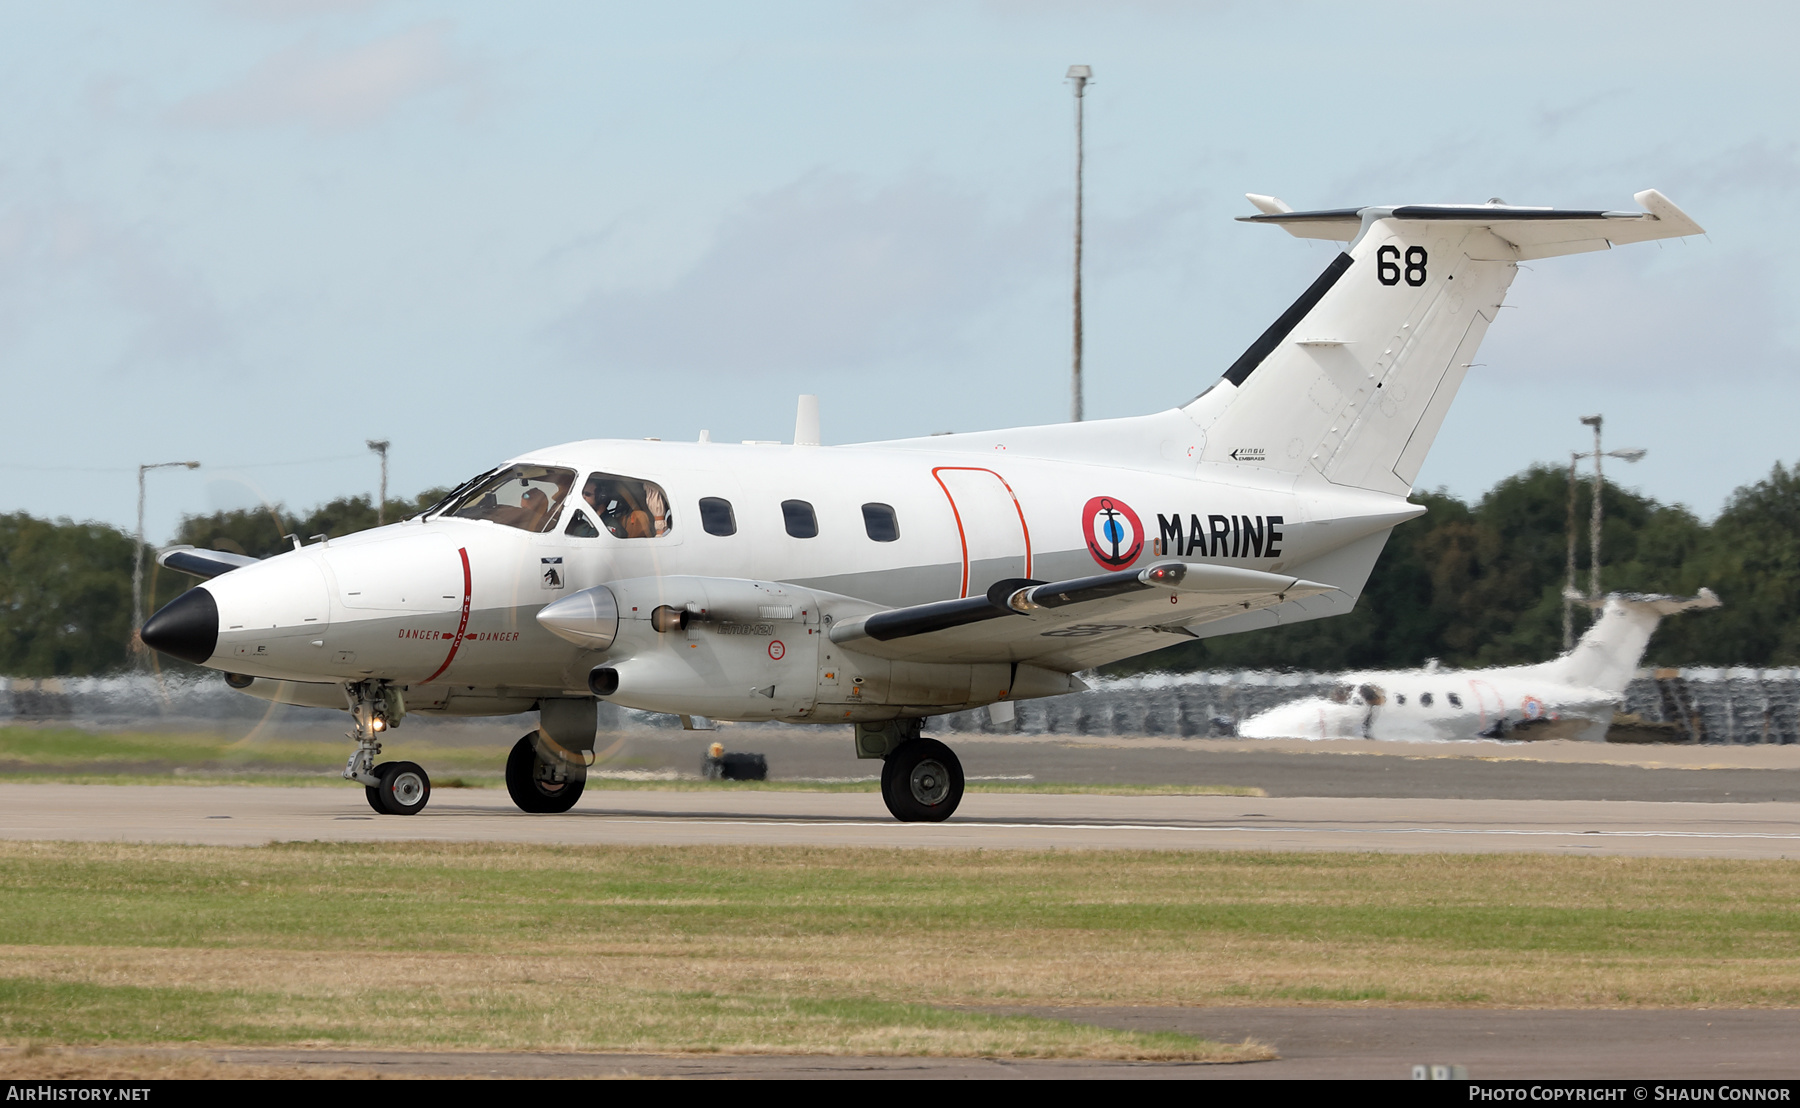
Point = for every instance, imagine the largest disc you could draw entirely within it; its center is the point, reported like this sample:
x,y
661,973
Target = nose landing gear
x,y
392,788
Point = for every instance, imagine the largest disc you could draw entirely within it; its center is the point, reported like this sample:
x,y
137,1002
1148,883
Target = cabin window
x,y
628,507
801,522
580,526
524,496
880,522
1455,701
1424,700
1400,699
717,517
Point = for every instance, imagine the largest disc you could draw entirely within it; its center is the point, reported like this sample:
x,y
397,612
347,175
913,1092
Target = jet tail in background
x,y
1608,654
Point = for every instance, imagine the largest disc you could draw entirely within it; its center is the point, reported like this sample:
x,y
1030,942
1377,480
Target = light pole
x,y
1569,590
1082,76
137,567
380,446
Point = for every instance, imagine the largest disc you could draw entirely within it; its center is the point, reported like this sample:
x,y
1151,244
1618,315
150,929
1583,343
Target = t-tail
x,y
1609,653
1354,380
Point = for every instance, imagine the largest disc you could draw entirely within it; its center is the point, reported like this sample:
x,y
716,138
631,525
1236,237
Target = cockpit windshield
x,y
524,496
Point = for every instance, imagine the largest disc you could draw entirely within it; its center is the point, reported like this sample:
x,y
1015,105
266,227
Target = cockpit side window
x,y
524,496
580,526
628,507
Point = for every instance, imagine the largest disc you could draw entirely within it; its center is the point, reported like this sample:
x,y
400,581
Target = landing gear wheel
x,y
374,794
531,782
404,788
922,782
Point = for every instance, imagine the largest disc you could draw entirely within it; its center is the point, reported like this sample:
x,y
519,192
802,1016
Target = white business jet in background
x,y
1571,697
877,584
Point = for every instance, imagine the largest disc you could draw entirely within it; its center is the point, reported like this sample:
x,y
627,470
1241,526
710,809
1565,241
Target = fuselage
x,y
444,606
1520,702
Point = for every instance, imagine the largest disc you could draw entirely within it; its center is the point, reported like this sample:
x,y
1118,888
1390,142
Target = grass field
x,y
841,950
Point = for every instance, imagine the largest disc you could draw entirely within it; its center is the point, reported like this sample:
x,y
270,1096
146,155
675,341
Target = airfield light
x,y
1082,76
137,565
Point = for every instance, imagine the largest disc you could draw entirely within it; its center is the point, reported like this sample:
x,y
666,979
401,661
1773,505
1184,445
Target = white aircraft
x,y
1572,697
877,584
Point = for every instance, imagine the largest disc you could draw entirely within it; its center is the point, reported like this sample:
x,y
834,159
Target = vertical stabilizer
x,y
1354,380
1609,653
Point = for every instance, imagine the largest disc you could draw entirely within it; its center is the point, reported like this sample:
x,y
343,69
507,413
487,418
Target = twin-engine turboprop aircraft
x,y
1571,697
878,584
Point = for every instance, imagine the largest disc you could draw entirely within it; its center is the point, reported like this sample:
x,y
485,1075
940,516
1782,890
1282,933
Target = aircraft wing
x,y
205,564
1071,624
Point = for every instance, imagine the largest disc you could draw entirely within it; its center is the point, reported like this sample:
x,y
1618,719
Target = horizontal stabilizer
x,y
1057,623
205,564
1529,232
1660,603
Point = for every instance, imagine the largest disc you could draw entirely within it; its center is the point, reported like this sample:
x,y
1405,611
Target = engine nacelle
x,y
749,650
723,648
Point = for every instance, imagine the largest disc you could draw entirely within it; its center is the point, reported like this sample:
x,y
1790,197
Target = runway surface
x,y
245,816
1736,1046
1295,767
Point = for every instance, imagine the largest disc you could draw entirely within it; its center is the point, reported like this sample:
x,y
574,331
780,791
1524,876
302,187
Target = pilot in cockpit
x,y
629,509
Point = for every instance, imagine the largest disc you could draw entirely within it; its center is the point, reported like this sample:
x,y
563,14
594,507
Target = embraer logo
x,y
1220,536
1115,536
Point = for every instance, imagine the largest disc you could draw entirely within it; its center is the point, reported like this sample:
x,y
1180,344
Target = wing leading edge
x,y
1072,624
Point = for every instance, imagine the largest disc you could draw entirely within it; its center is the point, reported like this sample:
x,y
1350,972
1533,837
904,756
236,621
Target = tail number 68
x,y
1387,265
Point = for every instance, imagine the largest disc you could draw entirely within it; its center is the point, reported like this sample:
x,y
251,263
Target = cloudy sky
x,y
258,232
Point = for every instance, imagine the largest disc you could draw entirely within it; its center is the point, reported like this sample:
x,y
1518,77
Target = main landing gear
x,y
543,777
922,781
392,788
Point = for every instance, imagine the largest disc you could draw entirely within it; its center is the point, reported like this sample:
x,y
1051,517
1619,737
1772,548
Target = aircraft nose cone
x,y
187,627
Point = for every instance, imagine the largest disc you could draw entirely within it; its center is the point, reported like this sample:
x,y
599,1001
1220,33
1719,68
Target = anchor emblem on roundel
x,y
1115,535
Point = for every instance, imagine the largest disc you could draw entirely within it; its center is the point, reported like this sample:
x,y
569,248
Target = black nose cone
x,y
187,627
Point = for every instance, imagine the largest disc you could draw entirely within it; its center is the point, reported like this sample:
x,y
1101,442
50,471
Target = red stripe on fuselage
x,y
468,582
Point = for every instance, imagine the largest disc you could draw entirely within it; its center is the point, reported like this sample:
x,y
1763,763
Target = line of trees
x,y
1481,584
1470,584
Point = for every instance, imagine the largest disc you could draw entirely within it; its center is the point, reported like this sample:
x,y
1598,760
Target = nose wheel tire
x,y
532,782
404,790
922,782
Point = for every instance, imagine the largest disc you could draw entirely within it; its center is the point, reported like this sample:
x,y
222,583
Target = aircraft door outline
x,y
976,528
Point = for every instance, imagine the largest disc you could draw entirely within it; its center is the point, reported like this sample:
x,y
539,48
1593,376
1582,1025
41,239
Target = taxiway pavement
x,y
1736,1046
252,815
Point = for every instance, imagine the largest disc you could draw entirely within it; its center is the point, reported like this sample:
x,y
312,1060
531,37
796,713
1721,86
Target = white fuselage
x,y
1431,706
444,607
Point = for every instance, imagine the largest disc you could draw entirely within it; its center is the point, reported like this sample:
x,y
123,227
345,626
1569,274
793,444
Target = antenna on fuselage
x,y
806,421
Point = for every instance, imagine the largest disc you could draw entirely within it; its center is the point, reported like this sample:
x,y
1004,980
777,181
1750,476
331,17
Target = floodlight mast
x,y
380,446
1081,76
137,565
1570,594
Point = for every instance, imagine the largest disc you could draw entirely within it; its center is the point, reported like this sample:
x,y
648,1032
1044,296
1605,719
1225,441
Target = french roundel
x,y
1115,536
